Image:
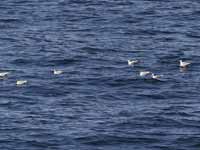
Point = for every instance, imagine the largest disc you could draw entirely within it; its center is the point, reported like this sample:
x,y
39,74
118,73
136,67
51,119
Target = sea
x,y
99,102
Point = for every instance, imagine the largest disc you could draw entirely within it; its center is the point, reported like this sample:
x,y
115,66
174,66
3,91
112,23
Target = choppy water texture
x,y
99,102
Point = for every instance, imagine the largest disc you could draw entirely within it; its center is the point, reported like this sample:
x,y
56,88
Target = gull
x,y
144,73
184,64
156,76
21,82
132,62
57,72
3,74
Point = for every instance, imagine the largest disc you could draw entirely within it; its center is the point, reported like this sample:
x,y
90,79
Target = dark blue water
x,y
99,102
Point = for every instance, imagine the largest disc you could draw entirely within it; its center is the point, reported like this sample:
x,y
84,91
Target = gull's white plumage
x,y
2,74
144,73
132,62
21,82
57,72
156,76
184,64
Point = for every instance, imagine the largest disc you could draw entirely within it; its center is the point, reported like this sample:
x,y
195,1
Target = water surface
x,y
99,102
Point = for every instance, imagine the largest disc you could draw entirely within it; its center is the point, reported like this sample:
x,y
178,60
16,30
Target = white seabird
x,y
144,73
184,64
21,82
156,76
3,74
57,72
132,62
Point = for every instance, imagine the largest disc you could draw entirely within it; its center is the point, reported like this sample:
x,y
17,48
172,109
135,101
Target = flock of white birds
x,y
182,64
22,82
143,73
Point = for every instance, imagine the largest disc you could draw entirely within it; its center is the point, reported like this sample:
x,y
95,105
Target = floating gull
x,y
132,62
57,72
156,76
21,82
184,64
144,73
3,74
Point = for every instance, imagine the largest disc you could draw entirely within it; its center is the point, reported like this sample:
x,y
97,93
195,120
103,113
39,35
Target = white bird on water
x,y
3,74
144,73
132,62
21,82
57,72
184,64
156,76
